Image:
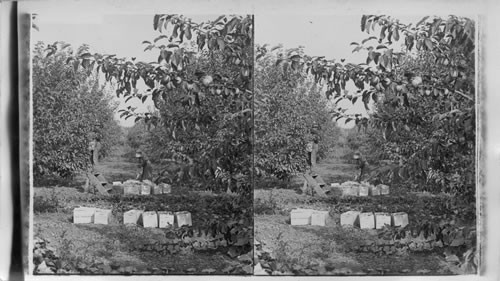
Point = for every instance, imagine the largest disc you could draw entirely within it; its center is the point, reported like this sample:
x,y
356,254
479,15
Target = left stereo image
x,y
141,145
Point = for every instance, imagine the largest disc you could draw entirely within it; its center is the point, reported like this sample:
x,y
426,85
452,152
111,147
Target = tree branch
x,y
464,95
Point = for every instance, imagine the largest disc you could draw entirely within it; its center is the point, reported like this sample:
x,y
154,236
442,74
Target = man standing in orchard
x,y
312,149
361,163
94,178
313,181
145,164
94,147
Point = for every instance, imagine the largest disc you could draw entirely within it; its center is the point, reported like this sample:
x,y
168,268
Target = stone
x,y
183,218
165,219
367,220
382,219
364,190
319,217
350,190
350,218
301,216
258,270
132,217
102,216
384,189
43,268
335,184
375,190
166,188
150,219
117,183
145,189
400,219
83,215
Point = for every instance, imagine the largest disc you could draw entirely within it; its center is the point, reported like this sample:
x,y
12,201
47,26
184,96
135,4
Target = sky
x,y
117,34
122,34
321,35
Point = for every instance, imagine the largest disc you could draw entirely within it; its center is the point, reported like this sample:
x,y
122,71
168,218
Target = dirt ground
x,y
318,250
116,246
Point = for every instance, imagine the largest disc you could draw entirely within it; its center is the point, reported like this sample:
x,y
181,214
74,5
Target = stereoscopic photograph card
x,y
256,140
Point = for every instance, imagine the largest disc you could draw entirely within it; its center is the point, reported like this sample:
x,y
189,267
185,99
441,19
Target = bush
x,y
69,107
265,207
206,146
42,204
422,116
287,104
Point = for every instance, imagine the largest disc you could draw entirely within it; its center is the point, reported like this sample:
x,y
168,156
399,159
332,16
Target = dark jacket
x,y
147,170
362,166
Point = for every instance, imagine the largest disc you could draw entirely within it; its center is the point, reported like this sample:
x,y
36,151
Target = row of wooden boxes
x,y
370,220
91,215
360,189
162,219
308,217
133,187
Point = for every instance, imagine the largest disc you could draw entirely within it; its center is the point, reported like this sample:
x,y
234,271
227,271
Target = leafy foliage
x,y
214,104
425,116
221,223
135,136
202,89
452,240
46,204
287,105
69,107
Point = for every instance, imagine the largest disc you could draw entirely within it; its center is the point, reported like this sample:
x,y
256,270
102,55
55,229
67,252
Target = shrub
x,y
287,104
68,108
42,204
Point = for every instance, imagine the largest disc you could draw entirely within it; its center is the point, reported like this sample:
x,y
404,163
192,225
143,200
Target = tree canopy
x,y
70,107
421,79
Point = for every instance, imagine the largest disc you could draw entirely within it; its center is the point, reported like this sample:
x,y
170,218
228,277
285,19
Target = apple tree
x,y
69,107
287,106
220,102
421,81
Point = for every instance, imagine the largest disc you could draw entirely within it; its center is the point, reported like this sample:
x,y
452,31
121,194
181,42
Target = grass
x,y
266,207
335,245
46,204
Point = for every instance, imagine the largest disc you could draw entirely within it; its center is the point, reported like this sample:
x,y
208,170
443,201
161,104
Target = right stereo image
x,y
365,145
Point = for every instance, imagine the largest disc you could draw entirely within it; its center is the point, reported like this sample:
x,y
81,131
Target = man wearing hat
x,y
94,147
361,163
312,149
145,164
